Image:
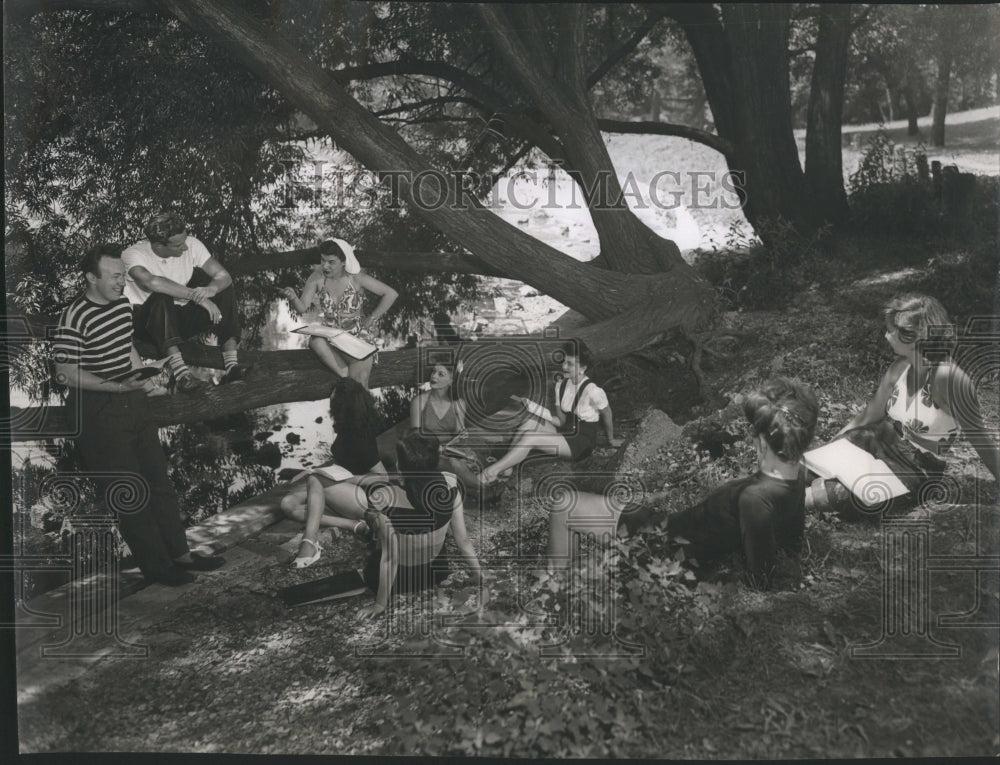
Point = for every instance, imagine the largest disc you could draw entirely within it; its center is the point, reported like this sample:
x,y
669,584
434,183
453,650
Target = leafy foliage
x,y
753,275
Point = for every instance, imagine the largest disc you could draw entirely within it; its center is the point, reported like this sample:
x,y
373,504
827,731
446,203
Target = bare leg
x,y
468,479
587,513
231,344
343,500
544,438
293,504
328,355
361,370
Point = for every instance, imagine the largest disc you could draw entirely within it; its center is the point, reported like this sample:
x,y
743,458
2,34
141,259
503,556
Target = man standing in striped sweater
x,y
116,436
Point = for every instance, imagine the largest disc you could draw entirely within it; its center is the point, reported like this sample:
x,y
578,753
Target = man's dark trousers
x,y
163,323
117,436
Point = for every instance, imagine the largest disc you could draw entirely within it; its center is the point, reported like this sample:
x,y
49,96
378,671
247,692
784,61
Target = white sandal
x,y
301,562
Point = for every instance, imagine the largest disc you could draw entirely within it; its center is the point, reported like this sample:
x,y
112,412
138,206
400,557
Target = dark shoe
x,y
234,374
189,384
201,562
173,577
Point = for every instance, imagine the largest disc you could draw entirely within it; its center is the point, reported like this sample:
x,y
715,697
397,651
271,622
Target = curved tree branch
x,y
627,46
711,140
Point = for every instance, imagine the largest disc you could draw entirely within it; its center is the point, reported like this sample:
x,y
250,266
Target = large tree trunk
x,y
942,82
743,60
910,100
824,162
557,89
758,41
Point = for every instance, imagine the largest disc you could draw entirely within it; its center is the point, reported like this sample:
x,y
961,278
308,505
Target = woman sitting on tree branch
x,y
336,290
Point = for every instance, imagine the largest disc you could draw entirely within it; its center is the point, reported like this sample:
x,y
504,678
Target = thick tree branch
x,y
655,15
443,100
711,140
438,69
311,89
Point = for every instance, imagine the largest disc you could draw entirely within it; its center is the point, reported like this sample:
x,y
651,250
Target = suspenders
x,y
576,399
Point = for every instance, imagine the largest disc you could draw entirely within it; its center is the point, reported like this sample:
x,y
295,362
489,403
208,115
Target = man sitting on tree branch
x,y
178,291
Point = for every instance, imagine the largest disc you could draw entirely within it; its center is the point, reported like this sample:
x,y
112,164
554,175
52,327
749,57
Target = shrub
x,y
763,271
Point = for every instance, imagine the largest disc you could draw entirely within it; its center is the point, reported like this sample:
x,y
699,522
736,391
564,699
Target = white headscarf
x,y
351,264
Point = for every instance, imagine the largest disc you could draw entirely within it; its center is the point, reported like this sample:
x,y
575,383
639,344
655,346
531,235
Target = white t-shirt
x,y
177,269
592,401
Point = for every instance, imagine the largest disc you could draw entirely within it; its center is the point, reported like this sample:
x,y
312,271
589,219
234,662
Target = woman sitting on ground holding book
x,y
355,449
571,430
439,413
336,291
921,405
755,516
405,525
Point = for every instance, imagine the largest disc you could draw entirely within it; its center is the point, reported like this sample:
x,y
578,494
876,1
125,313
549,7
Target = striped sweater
x,y
95,336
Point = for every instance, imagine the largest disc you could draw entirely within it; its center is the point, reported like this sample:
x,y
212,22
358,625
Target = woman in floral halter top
x,y
924,402
336,292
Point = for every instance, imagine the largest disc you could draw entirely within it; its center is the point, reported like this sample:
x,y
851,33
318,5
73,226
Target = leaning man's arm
x,y
152,283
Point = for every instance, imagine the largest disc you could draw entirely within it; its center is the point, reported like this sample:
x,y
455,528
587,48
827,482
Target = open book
x,y
456,448
536,409
868,478
340,339
332,471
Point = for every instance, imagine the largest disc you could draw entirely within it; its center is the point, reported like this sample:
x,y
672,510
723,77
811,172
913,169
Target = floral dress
x,y
919,420
345,313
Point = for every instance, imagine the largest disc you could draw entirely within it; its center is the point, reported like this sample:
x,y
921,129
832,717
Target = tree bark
x,y
743,60
824,162
758,41
910,100
942,82
415,262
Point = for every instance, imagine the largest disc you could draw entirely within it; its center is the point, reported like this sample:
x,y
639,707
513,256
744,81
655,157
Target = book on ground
x,y
343,584
340,339
537,409
868,478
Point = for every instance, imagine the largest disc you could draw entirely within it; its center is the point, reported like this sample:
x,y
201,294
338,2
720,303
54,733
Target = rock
x,y
269,455
319,420
294,439
655,431
262,436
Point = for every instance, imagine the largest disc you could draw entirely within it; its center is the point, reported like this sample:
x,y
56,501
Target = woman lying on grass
x,y
924,401
405,525
337,291
755,516
355,449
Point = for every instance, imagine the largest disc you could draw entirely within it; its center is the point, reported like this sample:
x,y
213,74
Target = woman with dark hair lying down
x,y
355,449
756,515
405,525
